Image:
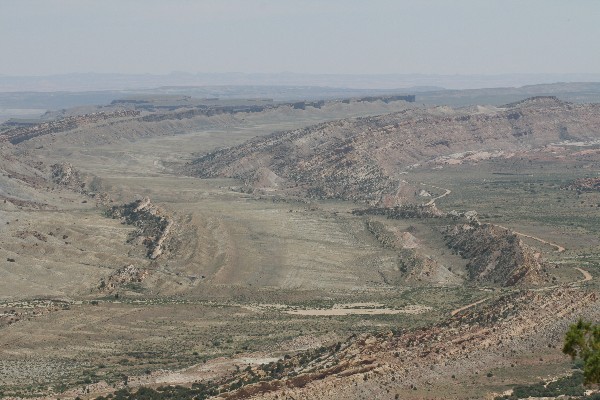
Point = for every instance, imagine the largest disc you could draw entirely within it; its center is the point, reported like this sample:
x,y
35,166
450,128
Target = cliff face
x,y
496,255
362,159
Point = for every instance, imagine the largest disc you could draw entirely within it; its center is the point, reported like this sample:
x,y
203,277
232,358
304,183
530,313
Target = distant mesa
x,y
537,101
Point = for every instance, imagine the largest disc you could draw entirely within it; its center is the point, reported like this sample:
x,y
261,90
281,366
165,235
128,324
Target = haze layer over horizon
x,y
465,37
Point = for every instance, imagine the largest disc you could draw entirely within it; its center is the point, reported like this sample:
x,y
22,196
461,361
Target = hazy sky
x,y
305,36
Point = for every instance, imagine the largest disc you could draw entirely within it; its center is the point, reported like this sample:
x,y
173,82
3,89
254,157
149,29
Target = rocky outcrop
x,y
64,174
123,276
406,211
154,227
25,310
466,344
585,185
496,255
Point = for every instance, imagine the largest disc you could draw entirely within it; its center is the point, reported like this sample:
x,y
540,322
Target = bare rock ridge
x,y
154,227
363,158
413,267
459,345
496,255
21,134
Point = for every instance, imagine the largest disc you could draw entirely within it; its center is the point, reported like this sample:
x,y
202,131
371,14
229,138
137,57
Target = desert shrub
x,y
582,340
571,385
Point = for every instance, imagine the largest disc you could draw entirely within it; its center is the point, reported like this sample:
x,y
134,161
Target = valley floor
x,y
250,280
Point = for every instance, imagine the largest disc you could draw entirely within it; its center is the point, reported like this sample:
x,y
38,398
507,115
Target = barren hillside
x,y
363,158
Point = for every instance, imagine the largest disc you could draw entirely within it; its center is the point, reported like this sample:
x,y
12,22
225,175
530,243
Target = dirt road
x,y
432,201
454,312
559,248
586,275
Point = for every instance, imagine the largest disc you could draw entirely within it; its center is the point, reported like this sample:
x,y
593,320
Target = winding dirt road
x,y
586,275
586,278
559,248
432,201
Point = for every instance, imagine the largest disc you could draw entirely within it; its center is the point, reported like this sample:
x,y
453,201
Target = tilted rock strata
x,y
154,227
496,255
363,158
414,267
487,336
21,134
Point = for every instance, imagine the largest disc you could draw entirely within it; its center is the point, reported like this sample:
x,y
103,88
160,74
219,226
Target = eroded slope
x,y
364,158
